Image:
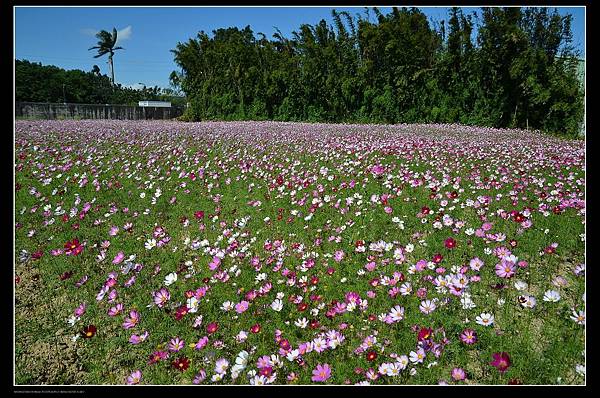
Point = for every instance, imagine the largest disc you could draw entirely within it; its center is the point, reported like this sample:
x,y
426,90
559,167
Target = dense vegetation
x,y
35,82
518,70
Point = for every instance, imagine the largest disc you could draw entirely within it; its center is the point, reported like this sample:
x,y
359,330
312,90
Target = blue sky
x,y
61,36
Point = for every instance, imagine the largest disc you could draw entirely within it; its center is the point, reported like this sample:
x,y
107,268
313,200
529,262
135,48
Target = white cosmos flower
x,y
552,296
427,306
578,317
227,306
418,356
150,244
520,285
397,313
485,319
301,323
466,302
405,289
170,279
259,380
192,304
277,305
242,359
292,355
402,361
530,302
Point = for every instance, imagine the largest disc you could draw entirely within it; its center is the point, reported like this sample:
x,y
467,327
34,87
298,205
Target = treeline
x,y
35,82
518,70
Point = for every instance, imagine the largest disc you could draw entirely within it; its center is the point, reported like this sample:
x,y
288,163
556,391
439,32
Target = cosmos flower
x,y
88,332
181,363
161,296
485,319
458,374
427,306
578,317
176,344
170,279
135,377
321,373
73,248
501,361
468,336
132,320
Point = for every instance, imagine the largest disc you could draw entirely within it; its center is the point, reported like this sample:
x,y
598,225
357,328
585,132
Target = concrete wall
x,y
39,110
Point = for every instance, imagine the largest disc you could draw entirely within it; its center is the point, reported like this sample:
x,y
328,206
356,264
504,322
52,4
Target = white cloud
x,y
89,31
124,34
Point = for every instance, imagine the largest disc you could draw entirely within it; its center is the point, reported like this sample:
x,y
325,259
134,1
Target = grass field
x,y
159,252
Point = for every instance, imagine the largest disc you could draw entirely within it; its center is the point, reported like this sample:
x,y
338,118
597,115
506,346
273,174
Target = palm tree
x,y
106,45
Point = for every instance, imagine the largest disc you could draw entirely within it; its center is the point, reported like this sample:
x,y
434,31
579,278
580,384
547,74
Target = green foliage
x,y
517,72
35,82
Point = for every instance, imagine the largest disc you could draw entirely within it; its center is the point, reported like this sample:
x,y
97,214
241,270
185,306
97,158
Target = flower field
x,y
151,252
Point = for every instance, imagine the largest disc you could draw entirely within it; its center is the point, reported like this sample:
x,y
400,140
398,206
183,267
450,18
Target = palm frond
x,y
114,37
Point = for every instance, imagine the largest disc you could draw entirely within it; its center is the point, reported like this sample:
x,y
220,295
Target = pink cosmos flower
x,y
132,320
135,339
116,310
214,264
458,374
241,307
176,344
377,170
161,297
79,311
505,269
201,343
263,362
135,377
119,258
321,373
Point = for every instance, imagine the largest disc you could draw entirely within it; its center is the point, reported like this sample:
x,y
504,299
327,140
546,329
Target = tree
x,y
106,45
391,68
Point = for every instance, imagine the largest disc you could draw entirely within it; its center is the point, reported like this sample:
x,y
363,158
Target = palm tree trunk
x,y
112,70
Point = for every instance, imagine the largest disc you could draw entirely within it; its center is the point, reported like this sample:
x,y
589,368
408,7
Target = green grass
x,y
544,344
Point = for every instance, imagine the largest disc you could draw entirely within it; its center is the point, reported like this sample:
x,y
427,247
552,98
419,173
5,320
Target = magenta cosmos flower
x,y
450,243
501,361
321,373
468,336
